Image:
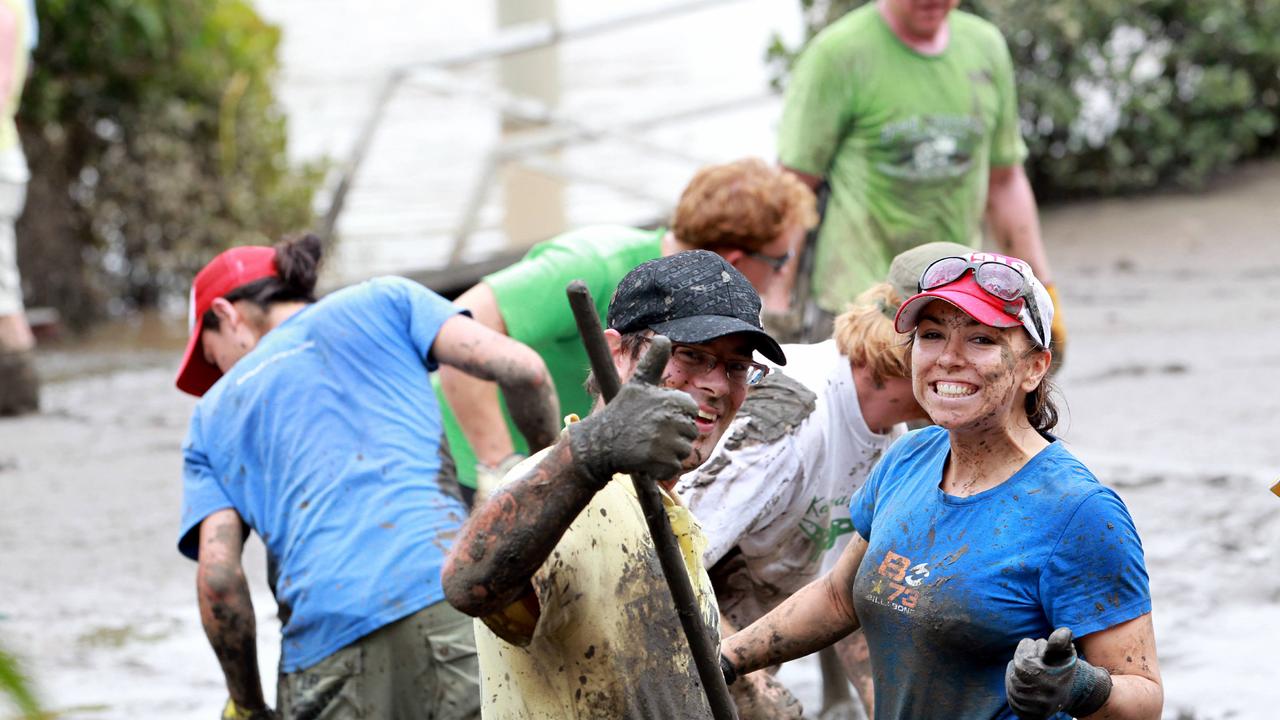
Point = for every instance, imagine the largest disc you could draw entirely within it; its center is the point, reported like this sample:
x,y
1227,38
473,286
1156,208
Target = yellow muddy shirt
x,y
608,643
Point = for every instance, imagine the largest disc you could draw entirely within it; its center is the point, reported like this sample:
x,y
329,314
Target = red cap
x,y
966,295
226,272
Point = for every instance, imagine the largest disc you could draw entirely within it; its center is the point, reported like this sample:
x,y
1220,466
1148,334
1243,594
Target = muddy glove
x,y
1046,677
232,711
645,429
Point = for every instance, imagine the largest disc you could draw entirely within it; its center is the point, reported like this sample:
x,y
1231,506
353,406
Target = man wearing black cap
x,y
558,564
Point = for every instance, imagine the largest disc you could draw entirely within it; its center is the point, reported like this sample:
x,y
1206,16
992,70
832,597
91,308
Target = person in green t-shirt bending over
x,y
749,212
907,110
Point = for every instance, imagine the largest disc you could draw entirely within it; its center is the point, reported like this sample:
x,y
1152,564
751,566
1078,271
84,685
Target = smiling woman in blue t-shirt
x,y
982,545
317,428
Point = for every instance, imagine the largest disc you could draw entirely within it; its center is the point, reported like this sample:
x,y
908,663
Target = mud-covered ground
x,y
1173,341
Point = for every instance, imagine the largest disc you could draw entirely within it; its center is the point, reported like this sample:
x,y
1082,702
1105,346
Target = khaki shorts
x,y
423,667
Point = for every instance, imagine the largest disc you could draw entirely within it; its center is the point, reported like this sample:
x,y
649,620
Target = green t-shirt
x,y
531,298
906,141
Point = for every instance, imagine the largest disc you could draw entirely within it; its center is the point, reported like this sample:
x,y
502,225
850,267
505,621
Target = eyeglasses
x,y
995,278
696,363
777,262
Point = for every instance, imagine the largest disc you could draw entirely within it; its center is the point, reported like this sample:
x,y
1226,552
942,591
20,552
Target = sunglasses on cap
x,y
994,278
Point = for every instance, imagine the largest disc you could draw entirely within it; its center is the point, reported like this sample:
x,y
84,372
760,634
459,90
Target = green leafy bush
x,y
1124,95
14,687
155,140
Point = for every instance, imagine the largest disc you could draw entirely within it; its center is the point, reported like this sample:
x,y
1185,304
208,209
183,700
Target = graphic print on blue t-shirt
x,y
949,585
325,439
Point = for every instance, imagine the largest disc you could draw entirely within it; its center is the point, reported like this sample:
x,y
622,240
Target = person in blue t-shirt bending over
x,y
318,428
982,546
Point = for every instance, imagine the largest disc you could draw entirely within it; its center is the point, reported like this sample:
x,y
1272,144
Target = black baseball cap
x,y
691,297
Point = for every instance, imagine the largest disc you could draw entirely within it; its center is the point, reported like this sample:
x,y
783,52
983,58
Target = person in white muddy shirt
x,y
773,498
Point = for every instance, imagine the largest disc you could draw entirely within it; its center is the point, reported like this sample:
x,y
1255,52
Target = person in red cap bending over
x,y
318,429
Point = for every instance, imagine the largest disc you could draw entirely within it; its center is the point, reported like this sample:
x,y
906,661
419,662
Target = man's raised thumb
x,y
654,362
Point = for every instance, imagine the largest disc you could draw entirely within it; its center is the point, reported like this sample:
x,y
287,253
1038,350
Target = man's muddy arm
x,y
486,355
817,616
226,610
645,429
508,538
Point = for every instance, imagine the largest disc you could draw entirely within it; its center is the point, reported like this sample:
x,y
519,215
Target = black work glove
x,y
1047,677
645,429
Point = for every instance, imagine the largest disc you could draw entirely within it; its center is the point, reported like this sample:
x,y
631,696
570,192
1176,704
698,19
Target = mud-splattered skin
x,y
717,400
990,435
817,616
509,537
226,609
518,371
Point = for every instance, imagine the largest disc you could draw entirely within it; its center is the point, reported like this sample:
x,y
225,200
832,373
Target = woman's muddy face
x,y
968,376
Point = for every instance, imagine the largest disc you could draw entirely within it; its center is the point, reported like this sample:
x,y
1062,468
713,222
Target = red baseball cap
x,y
226,272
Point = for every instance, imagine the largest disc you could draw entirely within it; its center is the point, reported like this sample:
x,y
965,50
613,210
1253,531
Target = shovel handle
x,y
705,657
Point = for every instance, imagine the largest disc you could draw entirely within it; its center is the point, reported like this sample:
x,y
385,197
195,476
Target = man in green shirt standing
x,y
748,211
907,110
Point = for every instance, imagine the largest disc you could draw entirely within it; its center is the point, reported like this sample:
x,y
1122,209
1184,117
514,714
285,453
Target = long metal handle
x,y
705,657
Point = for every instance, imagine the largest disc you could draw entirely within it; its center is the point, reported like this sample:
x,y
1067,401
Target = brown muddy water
x,y
1169,380
1173,345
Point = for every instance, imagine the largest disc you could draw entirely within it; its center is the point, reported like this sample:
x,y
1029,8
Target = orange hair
x,y
742,205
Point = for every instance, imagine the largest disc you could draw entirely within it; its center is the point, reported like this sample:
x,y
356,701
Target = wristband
x,y
730,672
1090,689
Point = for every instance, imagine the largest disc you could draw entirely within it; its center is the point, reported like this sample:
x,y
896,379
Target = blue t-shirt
x,y
326,440
949,585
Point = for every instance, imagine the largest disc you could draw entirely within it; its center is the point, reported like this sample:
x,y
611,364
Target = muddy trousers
x,y
422,667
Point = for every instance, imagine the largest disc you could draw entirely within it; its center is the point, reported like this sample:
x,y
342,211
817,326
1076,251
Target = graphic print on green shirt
x,y
531,298
906,141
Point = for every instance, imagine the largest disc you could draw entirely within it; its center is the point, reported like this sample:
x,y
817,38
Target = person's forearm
x,y
226,611
1133,697
534,407
508,538
526,384
815,617
1014,220
479,414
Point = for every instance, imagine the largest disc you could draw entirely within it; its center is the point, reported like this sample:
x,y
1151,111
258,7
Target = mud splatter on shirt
x,y
608,642
949,585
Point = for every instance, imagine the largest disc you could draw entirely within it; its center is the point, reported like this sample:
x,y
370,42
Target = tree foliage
x,y
155,140
1124,95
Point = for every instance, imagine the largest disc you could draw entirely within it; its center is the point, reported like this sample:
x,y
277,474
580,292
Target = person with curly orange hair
x,y
749,212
